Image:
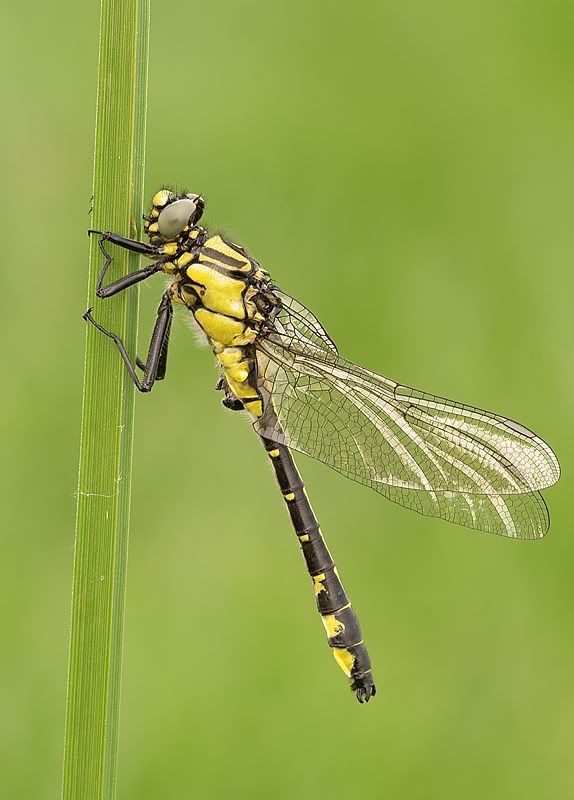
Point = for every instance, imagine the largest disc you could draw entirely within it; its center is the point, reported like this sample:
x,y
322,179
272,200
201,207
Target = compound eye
x,y
200,203
173,219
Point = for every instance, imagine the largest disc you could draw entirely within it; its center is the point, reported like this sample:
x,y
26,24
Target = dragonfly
x,y
278,364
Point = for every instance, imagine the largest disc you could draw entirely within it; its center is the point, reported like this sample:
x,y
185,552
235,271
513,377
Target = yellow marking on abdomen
x,y
231,356
344,659
289,496
237,377
238,373
304,537
254,407
332,625
273,453
237,367
318,583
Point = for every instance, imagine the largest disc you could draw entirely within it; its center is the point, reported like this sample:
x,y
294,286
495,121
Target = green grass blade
x,y
99,584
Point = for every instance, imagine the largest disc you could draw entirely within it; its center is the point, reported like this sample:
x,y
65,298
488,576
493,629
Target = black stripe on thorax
x,y
229,273
211,252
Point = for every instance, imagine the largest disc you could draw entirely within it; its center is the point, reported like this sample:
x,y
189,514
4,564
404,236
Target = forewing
x,y
298,324
427,453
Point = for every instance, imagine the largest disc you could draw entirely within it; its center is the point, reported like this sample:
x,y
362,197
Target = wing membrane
x,y
436,456
298,323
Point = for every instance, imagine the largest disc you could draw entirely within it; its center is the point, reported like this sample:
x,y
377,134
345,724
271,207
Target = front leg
x,y
127,280
133,245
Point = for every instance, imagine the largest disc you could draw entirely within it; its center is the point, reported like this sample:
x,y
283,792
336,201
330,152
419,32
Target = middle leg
x,y
155,364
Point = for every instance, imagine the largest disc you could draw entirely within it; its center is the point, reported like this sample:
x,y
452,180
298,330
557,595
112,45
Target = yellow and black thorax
x,y
231,299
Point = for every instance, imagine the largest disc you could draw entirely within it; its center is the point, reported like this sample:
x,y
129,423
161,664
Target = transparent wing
x,y
435,456
297,323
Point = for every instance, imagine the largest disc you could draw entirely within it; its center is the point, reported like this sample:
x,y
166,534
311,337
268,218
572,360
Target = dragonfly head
x,y
171,214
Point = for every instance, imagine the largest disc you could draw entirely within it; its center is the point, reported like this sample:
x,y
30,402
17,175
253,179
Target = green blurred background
x,y
406,170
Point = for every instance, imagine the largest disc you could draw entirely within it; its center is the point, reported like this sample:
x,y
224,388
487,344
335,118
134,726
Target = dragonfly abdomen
x,y
341,624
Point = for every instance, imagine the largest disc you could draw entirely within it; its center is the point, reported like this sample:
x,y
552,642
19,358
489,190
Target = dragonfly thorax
x,y
232,301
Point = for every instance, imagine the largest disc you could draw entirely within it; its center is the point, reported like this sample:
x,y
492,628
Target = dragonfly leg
x,y
229,401
155,365
133,245
127,280
233,403
162,363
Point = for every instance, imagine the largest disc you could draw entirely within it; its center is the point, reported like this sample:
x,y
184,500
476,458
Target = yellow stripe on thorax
x,y
224,330
218,292
216,243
